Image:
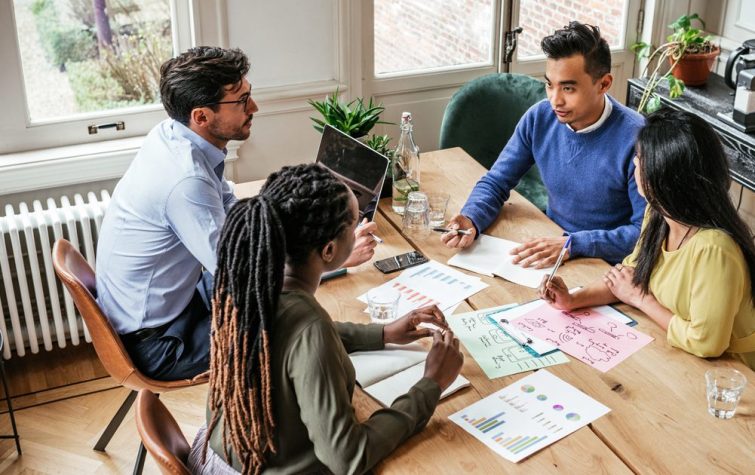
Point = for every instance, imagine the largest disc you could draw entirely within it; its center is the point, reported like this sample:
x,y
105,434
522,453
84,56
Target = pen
x,y
441,229
522,341
560,259
376,238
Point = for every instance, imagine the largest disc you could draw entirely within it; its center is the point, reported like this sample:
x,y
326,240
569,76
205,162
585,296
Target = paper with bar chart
x,y
529,415
496,352
431,283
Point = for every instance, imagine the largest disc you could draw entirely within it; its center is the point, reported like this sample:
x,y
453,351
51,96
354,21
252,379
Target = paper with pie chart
x,y
529,415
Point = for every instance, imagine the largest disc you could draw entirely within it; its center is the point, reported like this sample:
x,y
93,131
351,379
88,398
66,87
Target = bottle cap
x,y
406,117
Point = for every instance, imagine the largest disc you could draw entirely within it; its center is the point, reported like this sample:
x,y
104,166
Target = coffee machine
x,y
741,62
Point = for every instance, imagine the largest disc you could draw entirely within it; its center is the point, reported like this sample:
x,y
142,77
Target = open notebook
x,y
391,372
491,256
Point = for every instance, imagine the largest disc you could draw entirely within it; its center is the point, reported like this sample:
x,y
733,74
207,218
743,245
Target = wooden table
x,y
658,421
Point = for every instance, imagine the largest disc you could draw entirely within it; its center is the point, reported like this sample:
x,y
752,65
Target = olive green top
x,y
313,382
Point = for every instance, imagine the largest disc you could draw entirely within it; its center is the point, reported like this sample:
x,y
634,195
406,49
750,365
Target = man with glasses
x,y
163,223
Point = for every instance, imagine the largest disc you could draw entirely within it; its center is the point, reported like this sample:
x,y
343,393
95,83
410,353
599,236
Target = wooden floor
x,y
57,437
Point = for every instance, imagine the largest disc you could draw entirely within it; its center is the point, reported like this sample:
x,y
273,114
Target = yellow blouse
x,y
706,285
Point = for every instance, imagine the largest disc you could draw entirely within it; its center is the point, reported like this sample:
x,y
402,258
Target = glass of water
x,y
724,387
416,215
383,305
437,203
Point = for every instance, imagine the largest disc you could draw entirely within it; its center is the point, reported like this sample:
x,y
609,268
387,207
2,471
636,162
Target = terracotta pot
x,y
694,69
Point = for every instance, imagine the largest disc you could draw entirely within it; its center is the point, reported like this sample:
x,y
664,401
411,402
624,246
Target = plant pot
x,y
694,69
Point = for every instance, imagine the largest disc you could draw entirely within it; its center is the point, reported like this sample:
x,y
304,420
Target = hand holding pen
x,y
461,232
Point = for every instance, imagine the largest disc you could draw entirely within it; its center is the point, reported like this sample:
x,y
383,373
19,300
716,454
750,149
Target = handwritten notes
x,y
496,353
585,334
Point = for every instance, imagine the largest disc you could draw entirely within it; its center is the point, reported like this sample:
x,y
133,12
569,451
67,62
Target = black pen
x,y
440,229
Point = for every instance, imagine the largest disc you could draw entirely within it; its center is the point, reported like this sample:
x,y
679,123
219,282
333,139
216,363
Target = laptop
x,y
359,166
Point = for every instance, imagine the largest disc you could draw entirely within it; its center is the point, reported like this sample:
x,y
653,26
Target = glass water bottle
x,y
405,167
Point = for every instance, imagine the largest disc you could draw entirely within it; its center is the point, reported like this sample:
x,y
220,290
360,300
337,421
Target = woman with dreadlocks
x,y
281,381
692,269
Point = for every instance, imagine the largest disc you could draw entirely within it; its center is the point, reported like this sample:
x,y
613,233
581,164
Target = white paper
x,y
492,256
528,415
389,389
431,283
372,366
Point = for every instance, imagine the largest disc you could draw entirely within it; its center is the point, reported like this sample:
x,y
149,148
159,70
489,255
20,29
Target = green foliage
x,y
379,143
62,43
685,39
355,118
94,90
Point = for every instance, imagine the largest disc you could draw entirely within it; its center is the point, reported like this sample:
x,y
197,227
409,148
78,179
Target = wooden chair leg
x,y
10,408
115,422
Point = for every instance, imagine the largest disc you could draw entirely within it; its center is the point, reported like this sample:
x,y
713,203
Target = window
x,y
81,56
71,64
424,35
540,18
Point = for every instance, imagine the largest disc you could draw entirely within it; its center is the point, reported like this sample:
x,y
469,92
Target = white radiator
x,y
35,309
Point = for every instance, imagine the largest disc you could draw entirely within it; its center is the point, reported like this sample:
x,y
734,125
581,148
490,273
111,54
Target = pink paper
x,y
586,334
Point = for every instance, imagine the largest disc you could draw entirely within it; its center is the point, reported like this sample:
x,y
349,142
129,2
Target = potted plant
x,y
355,118
688,52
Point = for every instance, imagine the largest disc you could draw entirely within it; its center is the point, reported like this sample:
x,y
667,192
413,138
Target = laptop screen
x,y
359,166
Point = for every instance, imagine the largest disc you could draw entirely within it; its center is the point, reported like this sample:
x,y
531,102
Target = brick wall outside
x,y
422,34
541,18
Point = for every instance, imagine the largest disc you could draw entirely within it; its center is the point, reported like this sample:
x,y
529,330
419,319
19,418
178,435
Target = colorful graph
x,y
438,275
485,424
519,443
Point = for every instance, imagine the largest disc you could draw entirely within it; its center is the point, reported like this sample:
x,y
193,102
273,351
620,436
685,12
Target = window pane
x,y
412,35
541,18
82,56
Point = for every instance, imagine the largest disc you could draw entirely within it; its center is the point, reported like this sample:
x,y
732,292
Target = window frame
x,y
19,134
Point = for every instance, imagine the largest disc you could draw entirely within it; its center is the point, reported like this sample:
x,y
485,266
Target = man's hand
x,y
454,239
539,253
364,245
406,329
444,359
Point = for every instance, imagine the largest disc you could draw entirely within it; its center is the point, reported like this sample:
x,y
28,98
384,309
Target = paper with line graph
x,y
528,415
431,283
497,353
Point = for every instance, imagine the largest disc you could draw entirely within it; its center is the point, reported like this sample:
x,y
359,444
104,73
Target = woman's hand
x,y
555,293
444,359
364,244
618,279
406,329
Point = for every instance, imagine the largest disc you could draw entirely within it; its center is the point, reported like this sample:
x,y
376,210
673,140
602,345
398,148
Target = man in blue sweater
x,y
582,141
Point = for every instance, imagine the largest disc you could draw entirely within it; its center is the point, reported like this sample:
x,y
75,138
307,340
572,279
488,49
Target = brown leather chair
x,y
161,435
79,278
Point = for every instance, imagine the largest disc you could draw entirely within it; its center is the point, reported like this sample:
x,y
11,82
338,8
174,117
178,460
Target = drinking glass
x,y
383,305
416,215
437,202
724,387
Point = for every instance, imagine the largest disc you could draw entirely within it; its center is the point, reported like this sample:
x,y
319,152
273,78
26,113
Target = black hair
x,y
299,210
685,176
199,77
579,38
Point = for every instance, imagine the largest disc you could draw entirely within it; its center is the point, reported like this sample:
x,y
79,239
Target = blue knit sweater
x,y
592,193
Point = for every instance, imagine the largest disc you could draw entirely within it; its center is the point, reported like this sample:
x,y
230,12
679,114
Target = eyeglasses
x,y
243,101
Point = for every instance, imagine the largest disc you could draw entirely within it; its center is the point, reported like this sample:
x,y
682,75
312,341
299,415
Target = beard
x,y
225,133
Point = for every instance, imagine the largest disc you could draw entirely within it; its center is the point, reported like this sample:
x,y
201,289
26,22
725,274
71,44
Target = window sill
x,y
72,165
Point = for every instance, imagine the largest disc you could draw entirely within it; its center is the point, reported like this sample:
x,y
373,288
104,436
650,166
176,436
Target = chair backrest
x,y
161,435
79,278
483,113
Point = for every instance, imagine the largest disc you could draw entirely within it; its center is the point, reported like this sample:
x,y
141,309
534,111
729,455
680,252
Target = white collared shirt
x,y
607,108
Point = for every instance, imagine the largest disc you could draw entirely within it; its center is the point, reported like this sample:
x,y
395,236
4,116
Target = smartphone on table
x,y
400,262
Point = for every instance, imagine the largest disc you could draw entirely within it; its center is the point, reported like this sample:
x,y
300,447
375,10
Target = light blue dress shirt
x,y
161,228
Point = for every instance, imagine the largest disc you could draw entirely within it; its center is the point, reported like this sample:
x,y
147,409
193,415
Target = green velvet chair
x,y
483,114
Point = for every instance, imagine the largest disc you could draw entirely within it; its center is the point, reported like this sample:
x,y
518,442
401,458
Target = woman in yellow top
x,y
691,268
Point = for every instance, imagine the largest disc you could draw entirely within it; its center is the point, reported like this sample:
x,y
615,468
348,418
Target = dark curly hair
x,y
199,77
299,210
579,38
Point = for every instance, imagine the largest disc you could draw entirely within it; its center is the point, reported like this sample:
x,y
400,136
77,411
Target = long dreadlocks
x,y
299,210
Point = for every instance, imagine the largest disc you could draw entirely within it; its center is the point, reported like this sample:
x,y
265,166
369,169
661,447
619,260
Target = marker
x,y
559,260
335,273
440,229
377,239
522,341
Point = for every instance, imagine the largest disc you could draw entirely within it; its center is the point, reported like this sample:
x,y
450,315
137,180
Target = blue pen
x,y
560,259
375,238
